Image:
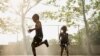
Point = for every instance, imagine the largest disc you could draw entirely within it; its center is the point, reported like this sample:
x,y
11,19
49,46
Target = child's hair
x,y
35,16
64,28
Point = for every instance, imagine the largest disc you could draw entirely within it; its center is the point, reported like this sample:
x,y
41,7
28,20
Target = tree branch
x,y
32,6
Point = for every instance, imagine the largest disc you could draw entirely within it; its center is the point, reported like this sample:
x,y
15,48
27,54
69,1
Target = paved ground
x,y
17,50
49,55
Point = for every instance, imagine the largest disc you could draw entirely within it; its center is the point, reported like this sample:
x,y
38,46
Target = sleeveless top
x,y
39,31
64,37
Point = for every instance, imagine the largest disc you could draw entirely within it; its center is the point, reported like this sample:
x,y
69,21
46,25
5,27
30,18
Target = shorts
x,y
63,44
37,40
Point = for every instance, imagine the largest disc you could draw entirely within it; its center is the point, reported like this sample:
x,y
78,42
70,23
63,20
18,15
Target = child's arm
x,y
59,37
68,39
38,25
30,30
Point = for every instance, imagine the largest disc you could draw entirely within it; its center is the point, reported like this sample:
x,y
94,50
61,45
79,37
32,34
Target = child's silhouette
x,y
63,37
37,41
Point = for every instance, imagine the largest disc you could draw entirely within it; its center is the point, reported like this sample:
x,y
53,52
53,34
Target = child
x,y
63,37
37,41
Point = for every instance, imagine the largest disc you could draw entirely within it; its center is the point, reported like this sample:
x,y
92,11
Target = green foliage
x,y
5,24
78,37
65,13
52,2
97,5
95,36
49,15
8,26
3,5
95,23
88,7
2,24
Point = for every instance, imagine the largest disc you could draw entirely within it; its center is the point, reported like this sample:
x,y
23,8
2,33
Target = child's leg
x,y
66,49
62,49
33,48
44,42
39,41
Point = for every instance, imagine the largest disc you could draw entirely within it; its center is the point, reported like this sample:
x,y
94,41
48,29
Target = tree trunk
x,y
86,29
84,17
24,34
23,29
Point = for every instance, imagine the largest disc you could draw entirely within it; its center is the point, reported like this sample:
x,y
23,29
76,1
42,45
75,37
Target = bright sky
x,y
50,27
